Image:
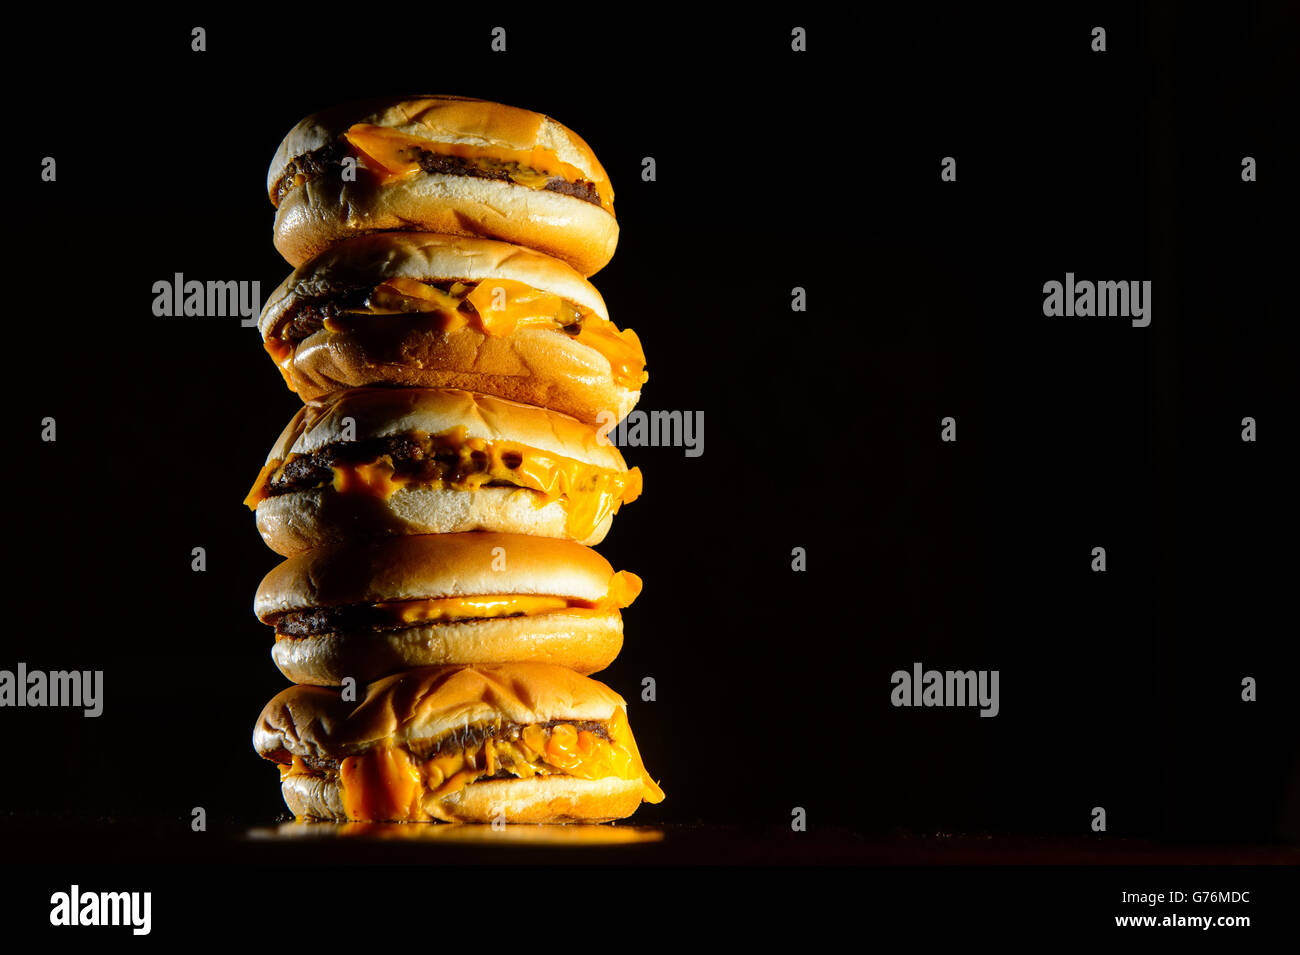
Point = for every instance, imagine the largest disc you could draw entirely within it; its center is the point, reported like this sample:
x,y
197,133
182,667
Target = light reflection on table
x,y
574,835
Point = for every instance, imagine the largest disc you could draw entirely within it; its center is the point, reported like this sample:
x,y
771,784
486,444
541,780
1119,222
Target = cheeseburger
x,y
444,164
518,742
365,610
380,461
423,310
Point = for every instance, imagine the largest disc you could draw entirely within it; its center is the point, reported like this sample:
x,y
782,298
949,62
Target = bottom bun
x,y
585,643
542,799
303,520
313,797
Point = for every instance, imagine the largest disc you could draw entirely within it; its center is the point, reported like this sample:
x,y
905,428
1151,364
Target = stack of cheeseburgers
x,y
437,495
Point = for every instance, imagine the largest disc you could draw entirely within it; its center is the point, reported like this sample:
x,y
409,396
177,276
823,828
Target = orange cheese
x,y
502,305
392,155
624,588
581,753
257,492
620,733
384,783
450,608
621,348
376,478
295,767
403,294
281,353
588,493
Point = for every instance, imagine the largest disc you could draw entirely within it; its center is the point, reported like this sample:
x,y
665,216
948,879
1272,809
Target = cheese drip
x,y
390,783
392,155
588,493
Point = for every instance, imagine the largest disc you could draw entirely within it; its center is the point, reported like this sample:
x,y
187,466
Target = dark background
x,y
775,170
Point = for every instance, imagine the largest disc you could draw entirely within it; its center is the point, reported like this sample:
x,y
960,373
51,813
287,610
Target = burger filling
x,y
391,156
379,467
494,307
398,782
403,614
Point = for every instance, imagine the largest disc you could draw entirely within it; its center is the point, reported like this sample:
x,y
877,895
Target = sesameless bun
x,y
325,745
587,368
582,643
294,523
426,704
486,181
566,481
540,800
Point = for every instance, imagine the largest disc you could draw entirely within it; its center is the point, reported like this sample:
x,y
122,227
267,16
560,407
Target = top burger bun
x,y
447,164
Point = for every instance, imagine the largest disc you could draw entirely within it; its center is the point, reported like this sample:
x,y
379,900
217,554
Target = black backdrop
x,y
775,170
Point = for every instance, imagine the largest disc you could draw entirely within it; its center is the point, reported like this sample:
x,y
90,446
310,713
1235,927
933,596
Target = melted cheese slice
x,y
500,306
435,609
393,156
403,294
389,783
503,305
383,783
621,348
624,587
281,353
